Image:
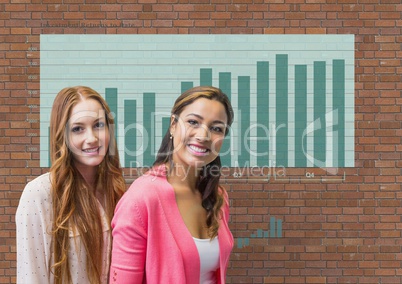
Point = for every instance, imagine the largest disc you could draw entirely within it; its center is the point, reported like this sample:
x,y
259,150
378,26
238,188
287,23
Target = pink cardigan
x,y
151,243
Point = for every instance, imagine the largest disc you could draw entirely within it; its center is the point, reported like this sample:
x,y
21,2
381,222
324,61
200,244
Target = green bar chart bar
x,y
263,113
111,99
300,114
272,227
130,136
319,112
282,110
149,126
244,113
338,92
279,228
186,86
165,125
225,83
206,77
226,87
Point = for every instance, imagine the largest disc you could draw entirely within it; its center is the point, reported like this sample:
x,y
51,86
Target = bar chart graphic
x,y
293,95
275,231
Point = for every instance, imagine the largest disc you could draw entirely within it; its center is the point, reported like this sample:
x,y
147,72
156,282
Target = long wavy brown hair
x,y
75,206
208,181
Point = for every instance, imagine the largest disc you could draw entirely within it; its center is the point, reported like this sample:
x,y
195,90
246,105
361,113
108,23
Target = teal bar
x,y
279,228
338,85
149,125
225,83
319,112
130,136
244,112
243,242
300,115
165,125
263,113
111,99
186,86
272,227
226,86
281,110
205,77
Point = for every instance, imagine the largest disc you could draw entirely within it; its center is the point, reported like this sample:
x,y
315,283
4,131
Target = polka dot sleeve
x,y
33,223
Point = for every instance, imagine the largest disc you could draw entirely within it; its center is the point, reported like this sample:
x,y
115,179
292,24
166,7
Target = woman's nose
x,y
203,133
91,136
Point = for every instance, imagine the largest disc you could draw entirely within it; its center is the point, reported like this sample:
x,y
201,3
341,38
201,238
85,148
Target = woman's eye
x,y
76,129
193,122
217,129
100,125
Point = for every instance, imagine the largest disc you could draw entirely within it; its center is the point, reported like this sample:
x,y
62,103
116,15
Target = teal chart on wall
x,y
293,95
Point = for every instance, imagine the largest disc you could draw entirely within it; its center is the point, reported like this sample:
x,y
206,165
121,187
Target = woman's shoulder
x,y
36,194
145,194
38,188
148,185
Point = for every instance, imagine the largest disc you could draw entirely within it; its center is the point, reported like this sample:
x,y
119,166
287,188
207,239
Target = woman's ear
x,y
173,122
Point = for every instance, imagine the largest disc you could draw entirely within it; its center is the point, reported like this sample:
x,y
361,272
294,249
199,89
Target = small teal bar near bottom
x,y
275,231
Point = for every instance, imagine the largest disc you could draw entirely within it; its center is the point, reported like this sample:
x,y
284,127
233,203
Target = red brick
x,y
312,211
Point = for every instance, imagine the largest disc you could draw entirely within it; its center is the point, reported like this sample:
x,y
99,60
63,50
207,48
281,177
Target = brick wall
x,y
333,232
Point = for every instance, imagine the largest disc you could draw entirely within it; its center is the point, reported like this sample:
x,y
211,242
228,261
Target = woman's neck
x,y
183,176
89,175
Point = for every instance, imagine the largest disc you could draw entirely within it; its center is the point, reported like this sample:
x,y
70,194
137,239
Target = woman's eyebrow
x,y
200,117
95,121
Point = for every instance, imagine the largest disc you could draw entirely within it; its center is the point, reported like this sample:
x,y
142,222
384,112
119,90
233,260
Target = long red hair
x,y
75,206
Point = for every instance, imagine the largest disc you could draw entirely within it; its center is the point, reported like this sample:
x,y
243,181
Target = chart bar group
x,y
292,95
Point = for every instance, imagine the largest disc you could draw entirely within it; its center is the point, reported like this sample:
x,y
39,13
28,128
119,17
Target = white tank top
x,y
209,259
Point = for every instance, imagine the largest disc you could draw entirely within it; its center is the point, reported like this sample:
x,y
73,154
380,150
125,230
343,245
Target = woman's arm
x,y
225,204
129,242
33,223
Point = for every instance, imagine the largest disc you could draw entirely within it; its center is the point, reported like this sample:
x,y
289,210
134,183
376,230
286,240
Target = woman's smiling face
x,y
198,133
88,134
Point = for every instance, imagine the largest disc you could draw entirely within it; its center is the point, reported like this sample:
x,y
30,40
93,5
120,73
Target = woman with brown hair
x,y
171,226
63,217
